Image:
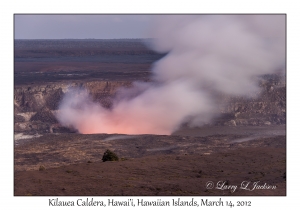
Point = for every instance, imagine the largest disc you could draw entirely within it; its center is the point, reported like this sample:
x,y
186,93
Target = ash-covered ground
x,y
180,164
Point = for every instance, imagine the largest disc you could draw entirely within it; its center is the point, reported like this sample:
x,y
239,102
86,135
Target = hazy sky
x,y
81,26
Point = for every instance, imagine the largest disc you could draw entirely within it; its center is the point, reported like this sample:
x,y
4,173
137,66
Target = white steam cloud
x,y
221,53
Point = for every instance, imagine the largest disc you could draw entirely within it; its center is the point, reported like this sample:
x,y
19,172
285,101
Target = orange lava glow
x,y
115,129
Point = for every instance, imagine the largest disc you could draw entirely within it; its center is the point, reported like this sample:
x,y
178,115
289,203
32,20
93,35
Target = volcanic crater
x,y
246,141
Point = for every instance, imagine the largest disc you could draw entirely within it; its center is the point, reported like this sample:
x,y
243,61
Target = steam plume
x,y
221,53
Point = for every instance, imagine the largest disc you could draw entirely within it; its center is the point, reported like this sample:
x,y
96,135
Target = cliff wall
x,y
35,105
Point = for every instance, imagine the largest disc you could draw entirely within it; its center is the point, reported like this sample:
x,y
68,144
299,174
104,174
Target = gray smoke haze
x,y
220,53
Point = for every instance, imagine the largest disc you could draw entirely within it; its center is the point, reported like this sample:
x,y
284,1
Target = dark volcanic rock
x,y
44,115
18,118
53,99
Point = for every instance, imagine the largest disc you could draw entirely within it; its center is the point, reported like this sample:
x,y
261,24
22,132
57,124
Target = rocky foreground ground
x,y
70,164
